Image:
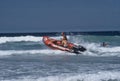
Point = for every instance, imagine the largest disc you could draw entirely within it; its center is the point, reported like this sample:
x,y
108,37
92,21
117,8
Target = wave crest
x,y
20,38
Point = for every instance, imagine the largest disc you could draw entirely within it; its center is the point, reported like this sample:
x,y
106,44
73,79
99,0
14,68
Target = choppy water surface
x,y
26,58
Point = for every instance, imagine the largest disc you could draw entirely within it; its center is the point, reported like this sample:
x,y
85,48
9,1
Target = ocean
x,y
24,57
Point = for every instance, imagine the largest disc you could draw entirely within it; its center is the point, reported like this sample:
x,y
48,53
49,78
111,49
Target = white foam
x,y
20,38
99,76
44,52
110,49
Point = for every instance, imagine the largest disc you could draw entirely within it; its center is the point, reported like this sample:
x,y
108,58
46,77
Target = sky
x,y
59,15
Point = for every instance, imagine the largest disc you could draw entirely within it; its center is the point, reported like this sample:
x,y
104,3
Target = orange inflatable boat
x,y
57,45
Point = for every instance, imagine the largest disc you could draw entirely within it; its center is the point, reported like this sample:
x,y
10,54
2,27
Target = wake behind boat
x,y
57,45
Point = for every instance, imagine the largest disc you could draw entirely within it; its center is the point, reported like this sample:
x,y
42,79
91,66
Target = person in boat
x,y
64,40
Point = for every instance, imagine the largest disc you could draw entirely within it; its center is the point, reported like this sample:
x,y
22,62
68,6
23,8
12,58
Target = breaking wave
x,y
19,39
93,48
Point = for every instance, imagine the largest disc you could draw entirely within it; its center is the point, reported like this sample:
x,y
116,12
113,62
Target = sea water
x,y
26,58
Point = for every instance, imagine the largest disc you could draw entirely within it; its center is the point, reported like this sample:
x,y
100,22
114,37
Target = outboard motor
x,y
78,49
81,48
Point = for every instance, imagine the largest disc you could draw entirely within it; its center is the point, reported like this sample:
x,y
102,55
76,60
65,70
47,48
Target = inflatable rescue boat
x,y
57,45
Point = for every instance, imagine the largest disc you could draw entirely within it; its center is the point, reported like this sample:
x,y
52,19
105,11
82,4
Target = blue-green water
x,y
26,58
